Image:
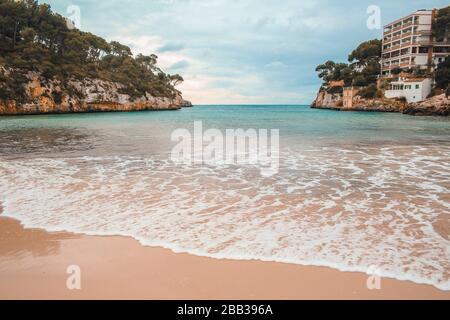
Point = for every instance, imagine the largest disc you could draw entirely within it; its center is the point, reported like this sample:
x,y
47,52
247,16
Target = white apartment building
x,y
412,89
408,43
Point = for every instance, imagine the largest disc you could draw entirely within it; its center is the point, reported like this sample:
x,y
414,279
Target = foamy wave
x,y
334,207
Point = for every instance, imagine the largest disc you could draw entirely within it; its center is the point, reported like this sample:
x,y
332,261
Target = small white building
x,y
412,89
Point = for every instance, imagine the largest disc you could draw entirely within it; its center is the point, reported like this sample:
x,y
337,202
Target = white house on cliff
x,y
412,89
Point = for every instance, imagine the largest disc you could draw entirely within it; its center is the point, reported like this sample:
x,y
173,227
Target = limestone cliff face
x,y
438,105
435,106
375,105
325,100
44,96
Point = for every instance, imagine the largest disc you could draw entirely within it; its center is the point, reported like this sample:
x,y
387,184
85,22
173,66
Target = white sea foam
x,y
330,207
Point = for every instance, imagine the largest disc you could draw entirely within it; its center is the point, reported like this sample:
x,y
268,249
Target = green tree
x,y
331,71
33,38
367,52
176,79
363,70
120,50
326,70
441,25
443,74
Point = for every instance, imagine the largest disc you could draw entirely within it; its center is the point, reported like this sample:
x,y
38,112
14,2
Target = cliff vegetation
x,y
35,43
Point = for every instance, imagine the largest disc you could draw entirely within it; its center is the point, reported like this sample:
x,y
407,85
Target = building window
x,y
417,86
423,50
397,87
441,49
414,50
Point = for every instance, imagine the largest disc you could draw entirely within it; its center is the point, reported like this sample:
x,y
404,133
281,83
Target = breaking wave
x,y
345,207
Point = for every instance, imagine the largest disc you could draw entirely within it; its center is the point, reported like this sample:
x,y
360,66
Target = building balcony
x,y
392,49
433,43
426,42
425,32
406,55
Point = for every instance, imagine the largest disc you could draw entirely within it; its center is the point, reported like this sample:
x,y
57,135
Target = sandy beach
x,y
33,265
248,183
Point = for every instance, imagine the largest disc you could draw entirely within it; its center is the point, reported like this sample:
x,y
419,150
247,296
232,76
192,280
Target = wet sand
x,y
33,265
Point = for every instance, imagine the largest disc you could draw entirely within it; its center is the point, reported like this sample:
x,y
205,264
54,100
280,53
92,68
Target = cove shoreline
x,y
33,265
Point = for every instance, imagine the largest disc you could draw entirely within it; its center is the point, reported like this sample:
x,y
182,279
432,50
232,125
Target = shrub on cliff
x,y
369,92
11,86
442,76
359,81
419,72
33,38
335,90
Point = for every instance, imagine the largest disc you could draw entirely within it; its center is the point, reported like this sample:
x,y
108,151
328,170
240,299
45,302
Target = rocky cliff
x,y
43,96
438,105
434,106
326,100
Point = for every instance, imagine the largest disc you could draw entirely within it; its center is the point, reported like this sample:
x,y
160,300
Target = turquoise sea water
x,y
354,190
300,121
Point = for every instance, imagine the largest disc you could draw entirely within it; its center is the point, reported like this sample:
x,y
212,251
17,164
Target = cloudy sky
x,y
240,51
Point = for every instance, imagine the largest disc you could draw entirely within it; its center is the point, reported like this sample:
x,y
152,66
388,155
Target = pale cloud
x,y
180,65
202,89
276,65
172,46
140,44
149,45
